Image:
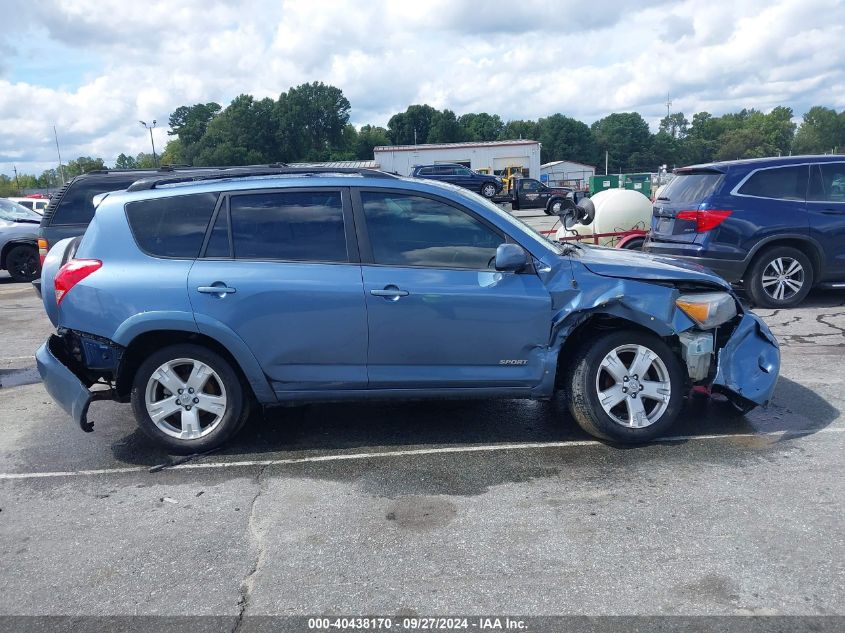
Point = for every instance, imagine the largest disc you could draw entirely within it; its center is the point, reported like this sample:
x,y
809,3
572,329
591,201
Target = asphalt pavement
x,y
498,507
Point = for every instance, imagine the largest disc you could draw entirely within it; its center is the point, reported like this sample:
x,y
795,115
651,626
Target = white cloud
x,y
523,60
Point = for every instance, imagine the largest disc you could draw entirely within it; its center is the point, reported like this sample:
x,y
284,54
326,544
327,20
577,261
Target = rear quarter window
x,y
171,227
692,187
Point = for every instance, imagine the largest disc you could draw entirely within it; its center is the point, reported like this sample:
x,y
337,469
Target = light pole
x,y
150,128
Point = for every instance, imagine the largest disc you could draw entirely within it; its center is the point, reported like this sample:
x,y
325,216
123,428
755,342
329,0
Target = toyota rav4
x,y
196,300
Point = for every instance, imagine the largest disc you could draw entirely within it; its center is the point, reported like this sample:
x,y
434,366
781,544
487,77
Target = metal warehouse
x,y
566,173
493,156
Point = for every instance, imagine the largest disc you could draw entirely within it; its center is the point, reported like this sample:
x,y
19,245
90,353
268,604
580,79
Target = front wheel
x,y
488,190
188,399
625,386
554,207
22,263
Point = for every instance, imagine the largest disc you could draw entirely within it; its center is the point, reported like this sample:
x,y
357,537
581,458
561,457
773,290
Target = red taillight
x,y
43,247
705,220
71,274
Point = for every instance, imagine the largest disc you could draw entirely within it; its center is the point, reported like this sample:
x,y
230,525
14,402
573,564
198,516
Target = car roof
x,y
440,165
768,161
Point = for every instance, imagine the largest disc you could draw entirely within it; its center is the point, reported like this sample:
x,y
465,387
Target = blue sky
x,y
94,68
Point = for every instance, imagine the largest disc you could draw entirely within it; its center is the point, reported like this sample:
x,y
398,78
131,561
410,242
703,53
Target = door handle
x,y
832,212
220,289
391,292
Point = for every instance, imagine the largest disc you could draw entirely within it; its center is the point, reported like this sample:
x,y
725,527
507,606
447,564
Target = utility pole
x,y
150,128
17,182
668,105
61,167
415,137
605,163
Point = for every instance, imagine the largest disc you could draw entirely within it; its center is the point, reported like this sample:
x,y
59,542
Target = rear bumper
x,y
747,367
64,386
728,269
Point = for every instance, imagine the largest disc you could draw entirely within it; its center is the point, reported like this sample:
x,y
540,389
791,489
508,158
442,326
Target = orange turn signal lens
x,y
696,311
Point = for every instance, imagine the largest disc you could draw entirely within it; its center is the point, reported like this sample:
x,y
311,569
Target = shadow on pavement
x,y
374,426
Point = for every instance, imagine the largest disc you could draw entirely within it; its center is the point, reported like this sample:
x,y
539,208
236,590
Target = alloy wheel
x,y
783,278
633,386
185,398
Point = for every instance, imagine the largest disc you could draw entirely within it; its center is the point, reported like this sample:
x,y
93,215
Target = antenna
x,y
668,104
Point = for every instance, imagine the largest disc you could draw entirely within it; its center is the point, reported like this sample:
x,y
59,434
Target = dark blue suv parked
x,y
775,224
197,297
485,184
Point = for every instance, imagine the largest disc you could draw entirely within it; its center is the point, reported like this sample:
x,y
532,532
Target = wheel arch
x,y
12,243
145,341
552,200
587,329
803,243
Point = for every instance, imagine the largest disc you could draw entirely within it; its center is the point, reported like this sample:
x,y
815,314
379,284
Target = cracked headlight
x,y
708,309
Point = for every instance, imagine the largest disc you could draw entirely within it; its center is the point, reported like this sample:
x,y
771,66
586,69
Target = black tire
x,y
22,263
581,386
231,421
488,190
550,208
767,262
635,244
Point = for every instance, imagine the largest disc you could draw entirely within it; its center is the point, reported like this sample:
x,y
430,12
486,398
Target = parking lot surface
x,y
499,507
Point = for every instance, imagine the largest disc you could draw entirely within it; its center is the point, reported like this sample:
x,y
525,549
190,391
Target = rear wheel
x,y
488,190
626,386
780,277
22,263
188,399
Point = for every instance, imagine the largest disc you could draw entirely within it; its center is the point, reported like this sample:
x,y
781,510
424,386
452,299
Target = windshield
x,y
12,211
507,217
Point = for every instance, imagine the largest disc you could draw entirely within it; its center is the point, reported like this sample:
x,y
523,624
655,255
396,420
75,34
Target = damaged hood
x,y
626,264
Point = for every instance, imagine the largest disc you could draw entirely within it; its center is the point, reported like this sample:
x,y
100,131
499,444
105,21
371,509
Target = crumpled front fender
x,y
748,366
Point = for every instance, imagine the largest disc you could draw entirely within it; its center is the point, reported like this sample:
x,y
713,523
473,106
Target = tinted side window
x,y
784,183
77,204
294,226
827,183
426,171
407,230
171,227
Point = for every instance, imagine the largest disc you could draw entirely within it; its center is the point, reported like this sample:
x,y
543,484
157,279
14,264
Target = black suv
x,y
72,208
485,184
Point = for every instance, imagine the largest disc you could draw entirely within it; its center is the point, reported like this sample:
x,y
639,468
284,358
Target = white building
x,y
495,156
567,173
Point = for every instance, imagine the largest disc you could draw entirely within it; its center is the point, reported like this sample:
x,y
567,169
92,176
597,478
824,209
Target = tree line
x,y
310,123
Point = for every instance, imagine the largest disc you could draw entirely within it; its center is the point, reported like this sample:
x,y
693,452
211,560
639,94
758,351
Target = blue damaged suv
x,y
196,300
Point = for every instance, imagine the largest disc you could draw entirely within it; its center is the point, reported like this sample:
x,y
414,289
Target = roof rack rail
x,y
152,182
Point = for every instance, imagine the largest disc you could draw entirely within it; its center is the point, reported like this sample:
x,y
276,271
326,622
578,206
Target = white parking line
x,y
341,457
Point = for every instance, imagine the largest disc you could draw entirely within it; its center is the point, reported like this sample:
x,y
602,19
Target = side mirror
x,y
511,258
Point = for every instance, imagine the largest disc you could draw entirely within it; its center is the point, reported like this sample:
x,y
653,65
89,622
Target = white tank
x,y
616,210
